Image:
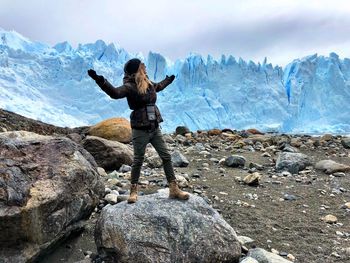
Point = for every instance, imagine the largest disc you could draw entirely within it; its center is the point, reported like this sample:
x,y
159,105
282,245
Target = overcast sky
x,y
280,30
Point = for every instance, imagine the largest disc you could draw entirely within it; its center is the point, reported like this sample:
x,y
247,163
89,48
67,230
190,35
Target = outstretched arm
x,y
165,82
113,92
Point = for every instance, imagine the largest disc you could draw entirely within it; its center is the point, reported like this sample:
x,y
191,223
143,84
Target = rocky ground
x,y
271,188
291,209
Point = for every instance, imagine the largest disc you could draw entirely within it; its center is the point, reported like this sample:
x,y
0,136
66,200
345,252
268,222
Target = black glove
x,y
94,76
172,77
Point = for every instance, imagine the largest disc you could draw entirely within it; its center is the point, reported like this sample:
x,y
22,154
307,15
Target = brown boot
x,y
133,194
175,192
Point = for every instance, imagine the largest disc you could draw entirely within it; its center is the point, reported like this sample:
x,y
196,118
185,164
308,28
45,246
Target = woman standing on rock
x,y
141,94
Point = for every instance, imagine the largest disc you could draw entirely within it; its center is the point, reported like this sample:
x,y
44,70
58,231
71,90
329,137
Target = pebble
x,y
197,191
205,165
339,174
289,197
347,205
266,154
330,219
252,179
290,257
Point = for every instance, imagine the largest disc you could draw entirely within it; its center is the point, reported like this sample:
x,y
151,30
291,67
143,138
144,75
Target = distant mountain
x,y
50,84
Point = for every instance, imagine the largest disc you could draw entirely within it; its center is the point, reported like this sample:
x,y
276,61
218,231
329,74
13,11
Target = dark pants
x,y
140,139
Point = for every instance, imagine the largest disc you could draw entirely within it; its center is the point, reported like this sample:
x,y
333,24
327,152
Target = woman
x,y
141,94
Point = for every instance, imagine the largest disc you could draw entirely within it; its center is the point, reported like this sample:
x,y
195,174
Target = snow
x,y
310,95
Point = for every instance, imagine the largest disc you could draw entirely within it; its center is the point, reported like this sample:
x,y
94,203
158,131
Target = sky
x,y
281,30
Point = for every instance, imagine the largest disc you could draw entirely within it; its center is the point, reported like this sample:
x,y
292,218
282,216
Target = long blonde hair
x,y
141,79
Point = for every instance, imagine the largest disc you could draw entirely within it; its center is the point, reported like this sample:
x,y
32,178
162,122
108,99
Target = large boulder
x,y
159,229
114,129
292,162
48,185
329,166
110,155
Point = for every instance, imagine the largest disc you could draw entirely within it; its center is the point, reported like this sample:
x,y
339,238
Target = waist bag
x,y
151,112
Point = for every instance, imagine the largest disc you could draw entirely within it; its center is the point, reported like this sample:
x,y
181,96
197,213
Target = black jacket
x,y
137,102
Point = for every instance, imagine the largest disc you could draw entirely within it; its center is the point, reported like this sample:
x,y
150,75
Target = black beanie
x,y
132,66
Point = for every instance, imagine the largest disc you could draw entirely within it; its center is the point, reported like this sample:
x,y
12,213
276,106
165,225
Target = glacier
x,y
50,84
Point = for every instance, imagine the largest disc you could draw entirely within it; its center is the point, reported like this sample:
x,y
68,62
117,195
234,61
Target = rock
x,y
243,240
296,142
108,154
180,138
289,197
154,161
182,130
159,229
182,181
327,137
288,148
111,198
235,161
346,142
179,160
266,154
75,137
254,131
168,139
256,166
114,129
249,260
213,132
252,179
347,205
48,185
330,219
292,162
263,256
125,168
329,166
101,171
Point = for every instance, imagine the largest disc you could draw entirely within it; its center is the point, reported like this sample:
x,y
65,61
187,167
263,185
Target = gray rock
x,y
292,162
48,185
125,168
244,240
329,166
159,229
111,198
249,260
110,155
263,256
288,148
179,160
168,139
154,161
235,161
346,142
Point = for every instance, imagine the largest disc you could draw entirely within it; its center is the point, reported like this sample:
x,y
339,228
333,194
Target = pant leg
x,y
159,144
140,139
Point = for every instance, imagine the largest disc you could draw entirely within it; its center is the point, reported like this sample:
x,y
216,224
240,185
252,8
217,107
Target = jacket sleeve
x,y
114,92
162,85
